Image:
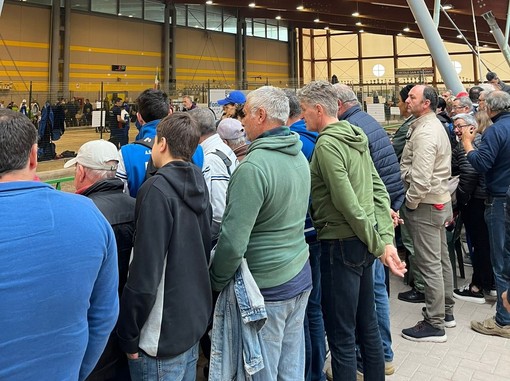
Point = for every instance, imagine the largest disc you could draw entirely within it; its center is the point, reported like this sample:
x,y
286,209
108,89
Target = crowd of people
x,y
254,238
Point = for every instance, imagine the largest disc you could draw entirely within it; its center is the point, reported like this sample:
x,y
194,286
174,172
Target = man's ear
x,y
32,159
261,115
140,119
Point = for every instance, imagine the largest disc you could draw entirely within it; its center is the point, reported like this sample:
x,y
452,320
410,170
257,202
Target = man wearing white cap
x,y
231,131
96,164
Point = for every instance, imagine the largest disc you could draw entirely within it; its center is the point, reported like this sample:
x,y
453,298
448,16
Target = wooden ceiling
x,y
388,17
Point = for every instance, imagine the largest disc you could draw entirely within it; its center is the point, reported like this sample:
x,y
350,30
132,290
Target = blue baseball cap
x,y
236,97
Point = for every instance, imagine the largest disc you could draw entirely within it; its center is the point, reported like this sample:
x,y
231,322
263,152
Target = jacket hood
x,y
148,130
106,185
187,181
288,144
348,134
300,128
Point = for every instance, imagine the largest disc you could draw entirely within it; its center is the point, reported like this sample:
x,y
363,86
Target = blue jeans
x,y
315,338
382,309
180,368
283,340
495,209
349,308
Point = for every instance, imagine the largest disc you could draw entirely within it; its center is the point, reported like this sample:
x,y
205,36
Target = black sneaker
x,y
449,320
412,296
467,294
423,331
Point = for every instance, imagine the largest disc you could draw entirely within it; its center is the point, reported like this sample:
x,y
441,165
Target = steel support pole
x,y
67,49
167,58
507,27
437,13
435,44
498,35
54,50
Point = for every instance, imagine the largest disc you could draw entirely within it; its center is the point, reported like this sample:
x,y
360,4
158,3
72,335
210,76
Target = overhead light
x,y
300,7
209,2
399,34
359,23
485,46
406,29
130,15
278,17
459,36
447,7
326,28
316,20
251,5
361,31
119,14
355,14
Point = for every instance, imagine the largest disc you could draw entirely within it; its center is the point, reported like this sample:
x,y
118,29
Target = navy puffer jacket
x,y
382,152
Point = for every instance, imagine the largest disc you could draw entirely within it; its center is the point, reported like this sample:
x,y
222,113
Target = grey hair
x,y
234,143
468,118
320,92
295,108
465,102
100,174
498,101
487,87
273,100
485,93
345,93
205,119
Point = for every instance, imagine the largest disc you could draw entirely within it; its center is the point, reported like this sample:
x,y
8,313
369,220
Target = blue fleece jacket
x,y
493,155
382,152
58,283
136,157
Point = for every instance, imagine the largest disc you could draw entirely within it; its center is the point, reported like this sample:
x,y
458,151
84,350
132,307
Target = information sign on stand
x,y
376,110
96,118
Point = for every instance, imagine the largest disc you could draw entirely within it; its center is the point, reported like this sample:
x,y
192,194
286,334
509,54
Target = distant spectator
x,y
187,103
494,79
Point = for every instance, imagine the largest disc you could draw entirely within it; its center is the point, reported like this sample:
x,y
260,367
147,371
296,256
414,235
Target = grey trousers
x,y
407,241
431,258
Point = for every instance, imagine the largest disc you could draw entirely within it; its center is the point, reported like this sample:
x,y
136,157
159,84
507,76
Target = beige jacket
x,y
426,162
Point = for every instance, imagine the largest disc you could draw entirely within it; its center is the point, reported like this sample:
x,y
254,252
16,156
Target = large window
x,y
180,14
214,20
154,11
131,8
82,5
259,28
229,23
196,16
104,6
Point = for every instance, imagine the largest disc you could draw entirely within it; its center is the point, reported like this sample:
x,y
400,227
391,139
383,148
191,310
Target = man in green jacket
x,y
351,212
267,200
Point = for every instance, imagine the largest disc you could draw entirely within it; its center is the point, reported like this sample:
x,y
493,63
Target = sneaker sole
x,y
431,339
469,299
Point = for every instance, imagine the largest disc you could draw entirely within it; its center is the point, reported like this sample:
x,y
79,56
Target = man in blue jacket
x,y
58,282
492,158
387,166
153,105
315,340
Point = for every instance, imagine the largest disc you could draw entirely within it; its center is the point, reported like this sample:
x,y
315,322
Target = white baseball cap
x,y
95,155
230,129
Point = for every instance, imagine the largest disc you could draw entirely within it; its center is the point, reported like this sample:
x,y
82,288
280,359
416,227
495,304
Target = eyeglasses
x,y
461,125
457,107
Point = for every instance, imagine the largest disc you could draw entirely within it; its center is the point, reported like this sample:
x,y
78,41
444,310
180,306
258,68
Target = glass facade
x,y
193,15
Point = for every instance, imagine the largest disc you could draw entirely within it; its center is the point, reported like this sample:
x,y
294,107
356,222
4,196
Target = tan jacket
x,y
426,162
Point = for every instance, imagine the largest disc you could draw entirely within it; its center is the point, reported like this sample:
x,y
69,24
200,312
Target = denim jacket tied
x,y
239,316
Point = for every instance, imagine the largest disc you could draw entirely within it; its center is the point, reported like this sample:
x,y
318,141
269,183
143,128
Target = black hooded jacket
x,y
166,304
